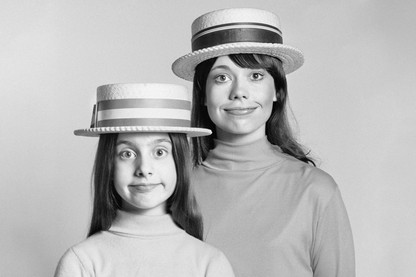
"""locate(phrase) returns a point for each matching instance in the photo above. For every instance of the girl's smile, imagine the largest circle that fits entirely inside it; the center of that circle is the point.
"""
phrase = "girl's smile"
(144, 187)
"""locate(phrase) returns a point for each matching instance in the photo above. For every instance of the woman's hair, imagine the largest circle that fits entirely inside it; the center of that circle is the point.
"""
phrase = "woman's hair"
(278, 130)
(181, 205)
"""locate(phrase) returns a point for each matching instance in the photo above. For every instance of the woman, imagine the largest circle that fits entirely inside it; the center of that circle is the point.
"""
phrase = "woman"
(263, 201)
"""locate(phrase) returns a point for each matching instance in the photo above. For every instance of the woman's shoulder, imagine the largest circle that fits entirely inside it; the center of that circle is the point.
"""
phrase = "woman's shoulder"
(309, 177)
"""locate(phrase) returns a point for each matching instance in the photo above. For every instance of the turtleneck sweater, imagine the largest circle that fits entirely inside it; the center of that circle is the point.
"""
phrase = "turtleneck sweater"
(138, 245)
(271, 214)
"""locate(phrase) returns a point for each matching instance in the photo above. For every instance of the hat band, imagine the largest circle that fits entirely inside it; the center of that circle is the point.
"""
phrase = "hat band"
(141, 112)
(234, 35)
(157, 122)
(143, 103)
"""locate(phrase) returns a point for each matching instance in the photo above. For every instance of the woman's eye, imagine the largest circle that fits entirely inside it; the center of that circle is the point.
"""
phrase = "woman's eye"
(256, 76)
(222, 78)
(160, 152)
(127, 154)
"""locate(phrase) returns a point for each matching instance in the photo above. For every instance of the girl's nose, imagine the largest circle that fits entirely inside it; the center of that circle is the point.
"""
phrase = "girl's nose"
(144, 168)
(239, 90)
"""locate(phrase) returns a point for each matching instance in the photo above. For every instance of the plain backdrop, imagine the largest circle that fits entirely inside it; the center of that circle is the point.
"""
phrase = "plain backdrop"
(353, 103)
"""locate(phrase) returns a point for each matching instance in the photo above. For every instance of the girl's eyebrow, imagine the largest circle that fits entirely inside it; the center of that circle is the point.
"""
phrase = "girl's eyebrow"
(131, 144)
(163, 140)
(124, 142)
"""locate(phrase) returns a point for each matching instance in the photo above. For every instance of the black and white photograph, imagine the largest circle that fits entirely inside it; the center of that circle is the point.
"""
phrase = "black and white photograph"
(208, 138)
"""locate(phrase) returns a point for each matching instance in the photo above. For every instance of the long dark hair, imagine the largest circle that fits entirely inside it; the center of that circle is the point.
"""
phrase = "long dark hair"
(181, 205)
(278, 130)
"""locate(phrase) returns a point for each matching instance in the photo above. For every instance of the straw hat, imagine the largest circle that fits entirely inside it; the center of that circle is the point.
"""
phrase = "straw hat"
(236, 31)
(130, 108)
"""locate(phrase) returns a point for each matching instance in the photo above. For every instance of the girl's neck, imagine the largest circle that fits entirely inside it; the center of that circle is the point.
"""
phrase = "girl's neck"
(142, 225)
(155, 211)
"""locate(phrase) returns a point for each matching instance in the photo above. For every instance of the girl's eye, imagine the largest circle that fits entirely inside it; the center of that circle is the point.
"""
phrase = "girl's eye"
(127, 154)
(160, 152)
(257, 76)
(222, 78)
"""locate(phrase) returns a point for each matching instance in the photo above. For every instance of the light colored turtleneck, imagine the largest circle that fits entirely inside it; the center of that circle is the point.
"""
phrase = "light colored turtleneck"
(138, 245)
(130, 224)
(272, 214)
(257, 155)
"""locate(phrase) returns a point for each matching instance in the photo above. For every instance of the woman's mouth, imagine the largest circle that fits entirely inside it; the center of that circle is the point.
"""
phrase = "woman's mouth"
(240, 110)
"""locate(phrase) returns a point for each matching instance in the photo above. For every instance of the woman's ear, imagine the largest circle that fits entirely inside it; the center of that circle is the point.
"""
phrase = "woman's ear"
(276, 96)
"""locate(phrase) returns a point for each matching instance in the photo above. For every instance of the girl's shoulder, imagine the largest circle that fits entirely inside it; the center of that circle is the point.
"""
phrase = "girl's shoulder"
(210, 257)
(81, 251)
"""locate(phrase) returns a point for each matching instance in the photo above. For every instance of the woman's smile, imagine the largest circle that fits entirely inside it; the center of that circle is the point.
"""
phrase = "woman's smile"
(239, 100)
(240, 110)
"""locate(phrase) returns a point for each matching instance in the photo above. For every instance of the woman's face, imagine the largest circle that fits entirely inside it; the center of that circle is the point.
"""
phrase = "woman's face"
(239, 100)
(144, 172)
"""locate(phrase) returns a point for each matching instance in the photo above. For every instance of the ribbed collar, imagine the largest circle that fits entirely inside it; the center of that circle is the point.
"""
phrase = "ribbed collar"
(129, 224)
(227, 156)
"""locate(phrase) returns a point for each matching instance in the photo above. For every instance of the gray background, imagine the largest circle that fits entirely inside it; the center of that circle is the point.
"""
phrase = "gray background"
(353, 100)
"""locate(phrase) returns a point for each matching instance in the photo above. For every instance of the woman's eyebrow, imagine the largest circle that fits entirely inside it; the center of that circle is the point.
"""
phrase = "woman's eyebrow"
(220, 67)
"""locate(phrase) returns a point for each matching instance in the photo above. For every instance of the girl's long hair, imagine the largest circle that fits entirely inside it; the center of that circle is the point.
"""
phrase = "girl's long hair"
(181, 205)
(278, 130)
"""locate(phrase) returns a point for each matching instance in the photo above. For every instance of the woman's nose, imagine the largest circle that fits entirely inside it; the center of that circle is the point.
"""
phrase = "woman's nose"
(239, 90)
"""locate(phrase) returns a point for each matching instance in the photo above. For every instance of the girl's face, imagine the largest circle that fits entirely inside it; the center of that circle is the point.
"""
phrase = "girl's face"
(144, 172)
(239, 100)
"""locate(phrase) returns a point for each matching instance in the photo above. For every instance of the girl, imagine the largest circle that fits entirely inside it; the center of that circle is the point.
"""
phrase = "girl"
(264, 203)
(145, 220)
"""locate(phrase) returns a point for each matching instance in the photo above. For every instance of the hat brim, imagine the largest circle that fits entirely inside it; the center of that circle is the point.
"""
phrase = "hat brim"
(191, 132)
(291, 58)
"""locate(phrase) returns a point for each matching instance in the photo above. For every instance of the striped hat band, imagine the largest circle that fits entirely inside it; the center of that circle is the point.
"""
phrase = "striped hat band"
(143, 112)
(236, 32)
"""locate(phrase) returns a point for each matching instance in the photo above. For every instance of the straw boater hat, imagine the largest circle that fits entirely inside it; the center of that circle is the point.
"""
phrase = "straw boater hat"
(130, 108)
(236, 31)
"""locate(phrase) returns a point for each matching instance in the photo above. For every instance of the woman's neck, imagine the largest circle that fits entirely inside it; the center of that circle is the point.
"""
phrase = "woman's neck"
(257, 155)
(241, 138)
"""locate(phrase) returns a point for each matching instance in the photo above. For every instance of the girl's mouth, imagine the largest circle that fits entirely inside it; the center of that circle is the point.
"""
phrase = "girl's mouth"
(144, 187)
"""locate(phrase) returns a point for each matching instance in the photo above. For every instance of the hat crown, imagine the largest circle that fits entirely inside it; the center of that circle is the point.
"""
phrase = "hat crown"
(236, 31)
(146, 107)
(235, 15)
(142, 91)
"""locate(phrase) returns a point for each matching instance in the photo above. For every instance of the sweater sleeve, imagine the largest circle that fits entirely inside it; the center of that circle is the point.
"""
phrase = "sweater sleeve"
(70, 265)
(219, 267)
(333, 250)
